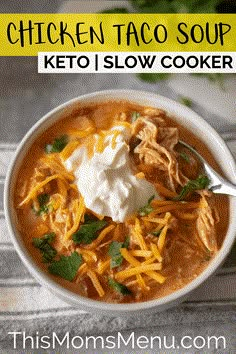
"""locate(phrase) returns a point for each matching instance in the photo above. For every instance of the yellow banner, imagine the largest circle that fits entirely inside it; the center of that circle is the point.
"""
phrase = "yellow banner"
(28, 34)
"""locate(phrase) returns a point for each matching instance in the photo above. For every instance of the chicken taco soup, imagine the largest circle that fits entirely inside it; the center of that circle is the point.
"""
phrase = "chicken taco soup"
(113, 208)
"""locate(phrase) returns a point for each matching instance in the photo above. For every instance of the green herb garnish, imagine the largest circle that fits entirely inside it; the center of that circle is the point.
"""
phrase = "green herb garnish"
(120, 288)
(186, 101)
(67, 266)
(44, 245)
(153, 77)
(134, 116)
(201, 182)
(43, 200)
(115, 10)
(216, 78)
(185, 156)
(126, 242)
(114, 252)
(88, 218)
(176, 6)
(58, 144)
(88, 231)
(146, 209)
(156, 233)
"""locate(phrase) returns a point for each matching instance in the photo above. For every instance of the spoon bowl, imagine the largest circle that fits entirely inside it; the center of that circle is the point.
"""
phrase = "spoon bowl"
(217, 183)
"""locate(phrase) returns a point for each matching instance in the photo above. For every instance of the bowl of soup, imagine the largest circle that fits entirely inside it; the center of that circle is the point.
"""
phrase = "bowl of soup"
(110, 212)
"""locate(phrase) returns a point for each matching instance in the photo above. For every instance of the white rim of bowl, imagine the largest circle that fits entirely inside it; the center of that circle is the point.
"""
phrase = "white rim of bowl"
(70, 296)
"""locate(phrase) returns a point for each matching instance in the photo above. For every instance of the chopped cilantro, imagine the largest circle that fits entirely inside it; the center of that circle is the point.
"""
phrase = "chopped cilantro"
(88, 231)
(201, 182)
(58, 144)
(176, 6)
(67, 266)
(114, 252)
(44, 245)
(146, 209)
(186, 101)
(156, 233)
(185, 156)
(216, 78)
(43, 199)
(115, 10)
(120, 288)
(44, 207)
(88, 218)
(153, 77)
(126, 242)
(134, 116)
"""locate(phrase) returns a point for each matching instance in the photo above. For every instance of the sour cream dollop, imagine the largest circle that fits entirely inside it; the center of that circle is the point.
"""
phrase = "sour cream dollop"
(106, 180)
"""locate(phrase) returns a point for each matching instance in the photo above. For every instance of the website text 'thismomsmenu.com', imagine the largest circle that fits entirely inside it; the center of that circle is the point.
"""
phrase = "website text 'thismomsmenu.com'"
(21, 340)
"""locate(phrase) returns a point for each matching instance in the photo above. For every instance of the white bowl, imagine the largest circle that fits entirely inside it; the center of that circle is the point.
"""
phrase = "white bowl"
(187, 118)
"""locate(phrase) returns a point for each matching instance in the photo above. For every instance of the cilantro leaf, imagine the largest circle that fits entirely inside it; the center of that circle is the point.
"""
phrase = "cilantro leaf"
(150, 6)
(114, 252)
(195, 6)
(115, 10)
(146, 209)
(43, 200)
(88, 231)
(201, 182)
(156, 233)
(44, 245)
(176, 6)
(58, 144)
(67, 266)
(153, 77)
(185, 156)
(186, 101)
(217, 78)
(126, 242)
(134, 116)
(120, 288)
(88, 218)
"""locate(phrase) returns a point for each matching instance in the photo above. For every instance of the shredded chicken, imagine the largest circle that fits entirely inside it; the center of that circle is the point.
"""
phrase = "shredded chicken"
(206, 224)
(157, 147)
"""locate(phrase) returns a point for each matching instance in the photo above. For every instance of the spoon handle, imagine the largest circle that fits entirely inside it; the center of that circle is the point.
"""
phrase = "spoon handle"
(225, 188)
(217, 183)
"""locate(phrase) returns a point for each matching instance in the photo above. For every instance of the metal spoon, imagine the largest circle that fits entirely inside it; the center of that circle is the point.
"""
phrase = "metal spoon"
(217, 183)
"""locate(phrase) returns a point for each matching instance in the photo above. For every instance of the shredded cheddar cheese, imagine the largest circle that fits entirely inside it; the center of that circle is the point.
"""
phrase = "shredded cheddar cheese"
(162, 237)
(80, 209)
(101, 236)
(141, 253)
(135, 263)
(122, 275)
(132, 251)
(103, 266)
(140, 175)
(137, 233)
(33, 193)
(92, 275)
(101, 141)
(156, 252)
(69, 149)
(82, 133)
